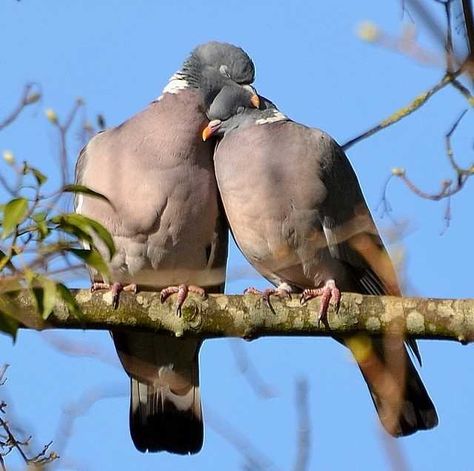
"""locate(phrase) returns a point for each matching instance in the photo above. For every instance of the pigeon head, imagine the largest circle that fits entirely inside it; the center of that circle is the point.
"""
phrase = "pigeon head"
(231, 110)
(210, 67)
(231, 61)
(230, 99)
(230, 102)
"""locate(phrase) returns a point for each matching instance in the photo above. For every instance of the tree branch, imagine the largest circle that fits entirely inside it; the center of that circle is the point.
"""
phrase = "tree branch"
(249, 318)
(414, 105)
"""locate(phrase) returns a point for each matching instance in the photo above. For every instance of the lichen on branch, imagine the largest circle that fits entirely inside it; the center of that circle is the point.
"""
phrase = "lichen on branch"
(248, 317)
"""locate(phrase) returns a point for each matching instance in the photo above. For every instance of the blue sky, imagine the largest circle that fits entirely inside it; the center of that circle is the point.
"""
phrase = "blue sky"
(118, 56)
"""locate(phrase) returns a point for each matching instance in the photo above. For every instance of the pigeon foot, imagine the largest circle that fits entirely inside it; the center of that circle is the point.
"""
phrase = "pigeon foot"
(329, 293)
(115, 288)
(282, 292)
(182, 291)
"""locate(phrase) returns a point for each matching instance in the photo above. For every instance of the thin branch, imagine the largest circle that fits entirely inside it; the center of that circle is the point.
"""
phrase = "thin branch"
(75, 409)
(28, 97)
(248, 317)
(9, 442)
(395, 456)
(13, 442)
(464, 91)
(63, 130)
(303, 437)
(414, 105)
(448, 187)
(255, 460)
(250, 372)
(3, 370)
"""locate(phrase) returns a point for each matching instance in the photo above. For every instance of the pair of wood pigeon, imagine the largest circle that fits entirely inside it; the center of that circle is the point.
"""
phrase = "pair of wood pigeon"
(293, 204)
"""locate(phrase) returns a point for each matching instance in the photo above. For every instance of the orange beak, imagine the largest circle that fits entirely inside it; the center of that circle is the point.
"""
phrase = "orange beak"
(210, 129)
(255, 100)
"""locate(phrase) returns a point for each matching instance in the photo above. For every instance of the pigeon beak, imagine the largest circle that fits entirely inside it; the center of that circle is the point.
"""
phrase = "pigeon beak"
(210, 129)
(255, 100)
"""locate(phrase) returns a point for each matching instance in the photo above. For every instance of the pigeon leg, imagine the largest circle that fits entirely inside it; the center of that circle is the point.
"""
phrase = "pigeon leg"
(329, 293)
(182, 291)
(115, 288)
(96, 285)
(282, 291)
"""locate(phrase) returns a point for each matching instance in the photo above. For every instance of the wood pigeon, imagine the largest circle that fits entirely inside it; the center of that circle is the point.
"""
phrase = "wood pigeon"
(297, 213)
(169, 231)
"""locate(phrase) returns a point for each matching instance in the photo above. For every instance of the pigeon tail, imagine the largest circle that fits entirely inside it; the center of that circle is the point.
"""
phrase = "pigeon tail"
(163, 421)
(400, 397)
(165, 407)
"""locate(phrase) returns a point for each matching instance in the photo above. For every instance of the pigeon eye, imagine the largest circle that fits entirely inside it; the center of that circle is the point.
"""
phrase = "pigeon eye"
(224, 70)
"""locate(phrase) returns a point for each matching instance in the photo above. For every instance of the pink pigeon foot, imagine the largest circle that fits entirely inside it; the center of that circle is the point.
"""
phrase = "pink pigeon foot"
(115, 288)
(329, 293)
(182, 291)
(283, 291)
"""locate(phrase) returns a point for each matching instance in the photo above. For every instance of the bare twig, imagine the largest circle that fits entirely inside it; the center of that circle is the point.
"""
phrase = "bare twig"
(250, 372)
(78, 408)
(255, 460)
(3, 370)
(414, 105)
(28, 97)
(10, 442)
(394, 453)
(63, 130)
(464, 91)
(80, 349)
(303, 437)
(448, 187)
(407, 45)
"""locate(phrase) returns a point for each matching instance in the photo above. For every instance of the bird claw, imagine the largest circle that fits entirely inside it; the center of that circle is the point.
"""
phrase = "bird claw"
(329, 293)
(115, 288)
(279, 292)
(182, 291)
(96, 286)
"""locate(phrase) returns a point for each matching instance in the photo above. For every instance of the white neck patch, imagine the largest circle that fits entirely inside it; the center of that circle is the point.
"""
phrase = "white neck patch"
(276, 116)
(176, 83)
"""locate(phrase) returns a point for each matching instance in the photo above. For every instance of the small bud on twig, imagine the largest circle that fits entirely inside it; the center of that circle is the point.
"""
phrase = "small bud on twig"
(8, 157)
(51, 115)
(398, 172)
(32, 98)
(368, 31)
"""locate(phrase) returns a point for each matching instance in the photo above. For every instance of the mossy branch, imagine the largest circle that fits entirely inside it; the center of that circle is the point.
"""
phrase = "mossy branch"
(248, 317)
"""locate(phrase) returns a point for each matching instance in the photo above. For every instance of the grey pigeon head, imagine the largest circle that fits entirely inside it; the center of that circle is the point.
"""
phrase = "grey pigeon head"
(213, 65)
(230, 110)
(231, 61)
(231, 100)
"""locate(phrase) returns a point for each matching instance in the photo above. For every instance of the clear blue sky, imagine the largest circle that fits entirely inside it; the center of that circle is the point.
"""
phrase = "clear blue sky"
(118, 55)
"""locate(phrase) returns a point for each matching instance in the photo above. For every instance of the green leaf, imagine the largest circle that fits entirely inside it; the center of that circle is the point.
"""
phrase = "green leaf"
(41, 224)
(45, 296)
(43, 229)
(13, 214)
(86, 191)
(75, 231)
(8, 323)
(40, 177)
(5, 260)
(86, 225)
(93, 258)
(71, 304)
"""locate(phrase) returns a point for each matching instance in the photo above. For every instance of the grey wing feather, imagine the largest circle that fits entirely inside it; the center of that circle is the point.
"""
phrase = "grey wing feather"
(217, 257)
(79, 171)
(351, 233)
